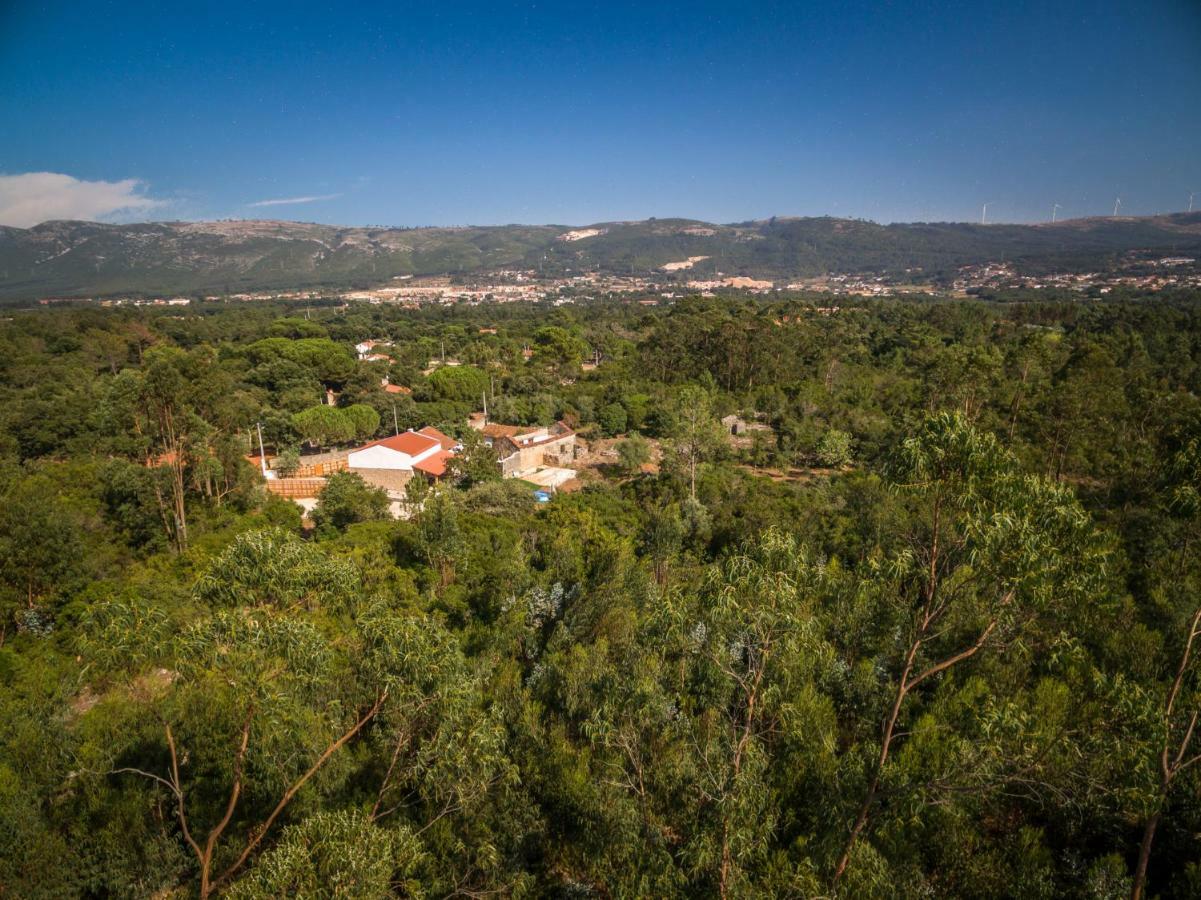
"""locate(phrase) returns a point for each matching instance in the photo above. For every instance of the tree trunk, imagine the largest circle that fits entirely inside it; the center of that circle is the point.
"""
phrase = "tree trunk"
(1017, 400)
(1169, 766)
(1144, 856)
(258, 833)
(727, 858)
(885, 746)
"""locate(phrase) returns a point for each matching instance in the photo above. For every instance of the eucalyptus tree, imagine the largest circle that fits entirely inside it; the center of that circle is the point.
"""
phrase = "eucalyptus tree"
(694, 435)
(1175, 745)
(342, 854)
(439, 765)
(173, 414)
(439, 535)
(752, 648)
(233, 713)
(40, 549)
(991, 551)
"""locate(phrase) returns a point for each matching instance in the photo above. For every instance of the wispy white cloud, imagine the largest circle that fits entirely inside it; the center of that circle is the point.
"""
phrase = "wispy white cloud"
(33, 197)
(288, 201)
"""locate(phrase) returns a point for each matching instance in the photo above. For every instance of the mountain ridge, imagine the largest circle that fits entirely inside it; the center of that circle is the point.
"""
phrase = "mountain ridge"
(78, 258)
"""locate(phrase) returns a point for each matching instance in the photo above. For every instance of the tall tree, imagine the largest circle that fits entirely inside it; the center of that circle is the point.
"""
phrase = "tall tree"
(993, 549)
(239, 711)
(692, 429)
(1175, 744)
(757, 640)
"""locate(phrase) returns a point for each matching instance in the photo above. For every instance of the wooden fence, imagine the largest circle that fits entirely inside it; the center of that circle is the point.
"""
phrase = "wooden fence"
(321, 469)
(295, 487)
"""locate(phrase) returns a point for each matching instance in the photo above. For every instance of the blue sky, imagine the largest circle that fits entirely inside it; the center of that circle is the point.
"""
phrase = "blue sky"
(574, 112)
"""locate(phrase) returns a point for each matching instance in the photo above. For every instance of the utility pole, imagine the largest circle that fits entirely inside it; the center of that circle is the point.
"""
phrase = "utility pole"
(485, 396)
(262, 452)
(395, 421)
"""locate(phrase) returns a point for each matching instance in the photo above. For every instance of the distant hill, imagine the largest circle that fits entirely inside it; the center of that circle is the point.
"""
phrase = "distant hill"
(91, 259)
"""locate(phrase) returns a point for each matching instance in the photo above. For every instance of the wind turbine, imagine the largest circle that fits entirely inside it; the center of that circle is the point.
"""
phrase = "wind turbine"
(1055, 208)
(1117, 204)
(1190, 201)
(983, 213)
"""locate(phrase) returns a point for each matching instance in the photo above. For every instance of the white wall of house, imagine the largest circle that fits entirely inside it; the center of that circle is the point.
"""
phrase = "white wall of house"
(381, 457)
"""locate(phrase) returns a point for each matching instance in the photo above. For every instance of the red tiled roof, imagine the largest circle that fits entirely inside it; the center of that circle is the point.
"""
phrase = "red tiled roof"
(559, 431)
(410, 442)
(434, 465)
(397, 389)
(447, 443)
(495, 430)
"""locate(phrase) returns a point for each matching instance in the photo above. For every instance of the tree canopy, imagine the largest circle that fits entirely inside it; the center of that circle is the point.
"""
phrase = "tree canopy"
(928, 628)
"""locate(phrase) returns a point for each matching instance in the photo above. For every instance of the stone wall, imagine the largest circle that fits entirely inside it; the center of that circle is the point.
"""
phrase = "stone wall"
(391, 480)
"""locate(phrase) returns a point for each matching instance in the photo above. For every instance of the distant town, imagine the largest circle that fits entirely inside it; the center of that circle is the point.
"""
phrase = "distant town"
(529, 286)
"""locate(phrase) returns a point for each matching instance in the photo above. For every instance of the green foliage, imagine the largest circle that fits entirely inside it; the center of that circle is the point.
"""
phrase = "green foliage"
(365, 419)
(40, 546)
(633, 453)
(34, 859)
(476, 462)
(834, 448)
(287, 463)
(439, 534)
(612, 418)
(323, 425)
(558, 346)
(324, 359)
(347, 499)
(278, 570)
(964, 666)
(694, 434)
(336, 854)
(464, 384)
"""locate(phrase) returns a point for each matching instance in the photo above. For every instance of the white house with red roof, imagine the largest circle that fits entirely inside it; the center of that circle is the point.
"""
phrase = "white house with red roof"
(392, 461)
(364, 349)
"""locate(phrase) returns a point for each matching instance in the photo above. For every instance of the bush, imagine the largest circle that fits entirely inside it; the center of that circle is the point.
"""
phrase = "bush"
(834, 448)
(287, 463)
(612, 418)
(633, 452)
(347, 499)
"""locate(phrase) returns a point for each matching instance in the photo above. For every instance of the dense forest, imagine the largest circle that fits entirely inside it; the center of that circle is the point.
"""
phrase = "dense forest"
(92, 259)
(927, 629)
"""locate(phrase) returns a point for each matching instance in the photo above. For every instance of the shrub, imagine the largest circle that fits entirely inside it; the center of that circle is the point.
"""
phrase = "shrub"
(834, 448)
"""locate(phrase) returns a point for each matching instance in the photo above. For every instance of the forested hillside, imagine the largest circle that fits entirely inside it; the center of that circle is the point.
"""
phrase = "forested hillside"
(91, 259)
(927, 629)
